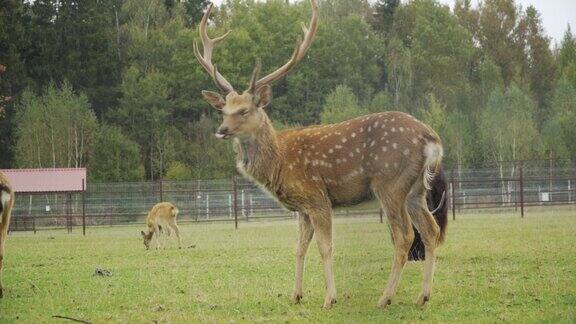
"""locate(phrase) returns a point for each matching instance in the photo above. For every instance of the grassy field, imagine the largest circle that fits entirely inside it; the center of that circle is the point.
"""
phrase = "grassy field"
(492, 268)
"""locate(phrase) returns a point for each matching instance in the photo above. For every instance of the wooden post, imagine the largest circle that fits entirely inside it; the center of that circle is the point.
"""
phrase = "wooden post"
(84, 207)
(381, 215)
(235, 201)
(453, 199)
(515, 195)
(521, 192)
(161, 191)
(69, 212)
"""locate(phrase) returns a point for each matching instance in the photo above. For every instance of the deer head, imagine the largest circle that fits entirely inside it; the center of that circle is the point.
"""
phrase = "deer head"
(243, 113)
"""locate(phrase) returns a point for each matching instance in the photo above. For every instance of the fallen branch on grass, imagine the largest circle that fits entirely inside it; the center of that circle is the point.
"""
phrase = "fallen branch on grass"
(71, 319)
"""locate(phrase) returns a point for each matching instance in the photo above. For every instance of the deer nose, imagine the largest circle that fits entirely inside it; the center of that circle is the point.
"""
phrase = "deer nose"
(222, 130)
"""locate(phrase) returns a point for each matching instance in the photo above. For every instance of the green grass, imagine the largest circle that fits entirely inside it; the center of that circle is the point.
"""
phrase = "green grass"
(492, 268)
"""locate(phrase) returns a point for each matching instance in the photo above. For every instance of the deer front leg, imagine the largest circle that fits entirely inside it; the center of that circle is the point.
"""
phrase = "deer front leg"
(305, 233)
(322, 223)
(157, 234)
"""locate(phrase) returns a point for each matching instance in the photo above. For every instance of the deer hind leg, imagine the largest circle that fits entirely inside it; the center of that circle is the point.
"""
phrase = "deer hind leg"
(322, 222)
(305, 233)
(430, 233)
(402, 237)
(166, 234)
(174, 227)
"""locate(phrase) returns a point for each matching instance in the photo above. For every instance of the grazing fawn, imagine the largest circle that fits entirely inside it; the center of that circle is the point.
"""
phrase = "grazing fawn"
(161, 218)
(389, 155)
(6, 203)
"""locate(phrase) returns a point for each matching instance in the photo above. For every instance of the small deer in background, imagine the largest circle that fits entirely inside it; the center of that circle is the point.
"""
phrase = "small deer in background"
(389, 155)
(161, 218)
(6, 203)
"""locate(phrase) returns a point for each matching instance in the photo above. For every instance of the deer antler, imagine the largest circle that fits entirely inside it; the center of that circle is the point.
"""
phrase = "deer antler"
(300, 50)
(206, 59)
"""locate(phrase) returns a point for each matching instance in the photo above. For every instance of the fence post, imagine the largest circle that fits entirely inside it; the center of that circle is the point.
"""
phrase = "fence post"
(84, 207)
(161, 190)
(521, 192)
(69, 212)
(569, 192)
(453, 199)
(235, 198)
(381, 215)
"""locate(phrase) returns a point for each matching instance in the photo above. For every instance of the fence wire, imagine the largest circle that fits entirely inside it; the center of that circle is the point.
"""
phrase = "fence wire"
(223, 200)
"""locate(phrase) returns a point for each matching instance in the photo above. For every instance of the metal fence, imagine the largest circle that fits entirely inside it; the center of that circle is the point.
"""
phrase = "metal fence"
(515, 187)
(236, 199)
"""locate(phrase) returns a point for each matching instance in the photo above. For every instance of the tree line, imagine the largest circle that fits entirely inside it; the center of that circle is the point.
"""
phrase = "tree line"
(113, 85)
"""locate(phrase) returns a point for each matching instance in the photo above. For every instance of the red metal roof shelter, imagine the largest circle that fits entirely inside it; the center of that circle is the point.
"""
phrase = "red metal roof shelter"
(66, 181)
(47, 180)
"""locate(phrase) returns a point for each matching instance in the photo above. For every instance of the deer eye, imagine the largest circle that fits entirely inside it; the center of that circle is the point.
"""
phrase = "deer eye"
(243, 112)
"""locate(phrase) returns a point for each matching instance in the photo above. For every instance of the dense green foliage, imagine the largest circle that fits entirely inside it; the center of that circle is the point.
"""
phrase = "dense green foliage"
(492, 268)
(486, 78)
(116, 157)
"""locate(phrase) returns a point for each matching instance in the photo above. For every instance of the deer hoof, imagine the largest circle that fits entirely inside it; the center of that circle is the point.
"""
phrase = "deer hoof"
(384, 302)
(328, 302)
(422, 299)
(296, 297)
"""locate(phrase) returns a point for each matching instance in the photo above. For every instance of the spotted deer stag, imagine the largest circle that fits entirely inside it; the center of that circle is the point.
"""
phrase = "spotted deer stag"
(6, 203)
(389, 155)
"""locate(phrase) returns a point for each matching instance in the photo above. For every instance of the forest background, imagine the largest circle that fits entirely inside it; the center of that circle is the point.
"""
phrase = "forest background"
(113, 85)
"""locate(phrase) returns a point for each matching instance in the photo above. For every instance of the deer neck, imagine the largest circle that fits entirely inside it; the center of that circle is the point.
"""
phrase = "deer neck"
(258, 155)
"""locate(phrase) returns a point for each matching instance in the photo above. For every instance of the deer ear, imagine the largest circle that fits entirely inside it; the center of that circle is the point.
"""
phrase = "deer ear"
(213, 98)
(263, 96)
